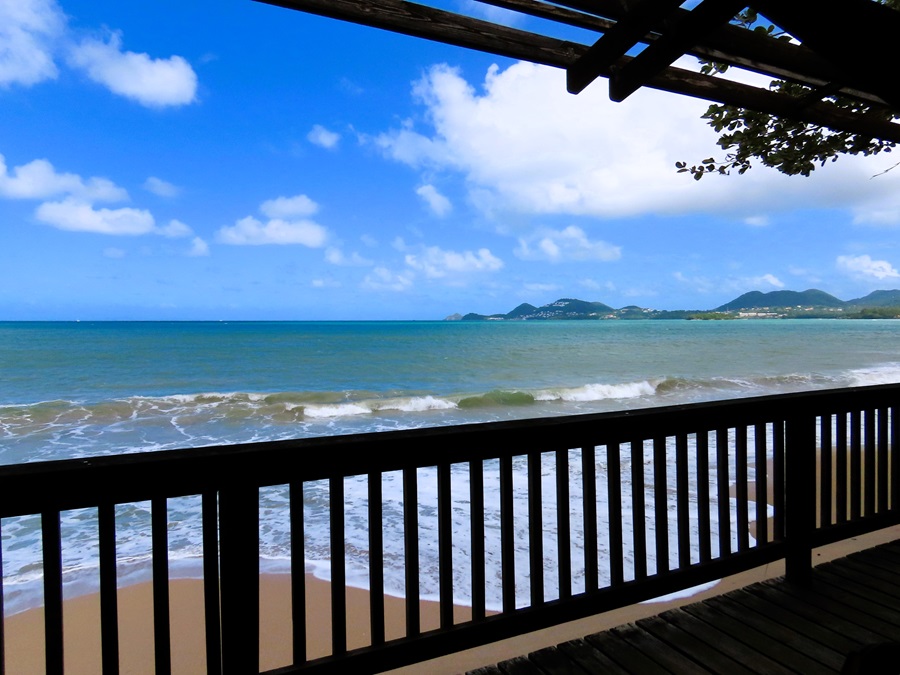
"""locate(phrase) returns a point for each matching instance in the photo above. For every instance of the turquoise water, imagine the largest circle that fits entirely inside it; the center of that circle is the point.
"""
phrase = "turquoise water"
(78, 389)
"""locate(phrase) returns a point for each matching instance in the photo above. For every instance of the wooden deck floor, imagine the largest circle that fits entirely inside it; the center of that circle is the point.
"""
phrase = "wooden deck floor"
(768, 628)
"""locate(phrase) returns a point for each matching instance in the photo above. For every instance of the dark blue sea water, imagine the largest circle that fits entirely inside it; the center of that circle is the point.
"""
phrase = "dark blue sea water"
(77, 389)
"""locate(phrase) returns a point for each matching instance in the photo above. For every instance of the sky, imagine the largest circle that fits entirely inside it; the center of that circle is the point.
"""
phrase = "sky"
(232, 160)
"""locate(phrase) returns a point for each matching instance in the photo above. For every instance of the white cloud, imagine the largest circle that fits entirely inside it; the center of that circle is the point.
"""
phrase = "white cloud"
(382, 279)
(175, 229)
(76, 216)
(569, 244)
(199, 248)
(325, 283)
(757, 221)
(39, 180)
(299, 206)
(160, 187)
(864, 267)
(523, 144)
(438, 203)
(114, 253)
(322, 137)
(542, 288)
(336, 256)
(765, 280)
(437, 263)
(251, 232)
(28, 30)
(155, 83)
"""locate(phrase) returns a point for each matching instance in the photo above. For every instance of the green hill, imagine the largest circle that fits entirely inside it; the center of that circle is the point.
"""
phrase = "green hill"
(758, 300)
(878, 299)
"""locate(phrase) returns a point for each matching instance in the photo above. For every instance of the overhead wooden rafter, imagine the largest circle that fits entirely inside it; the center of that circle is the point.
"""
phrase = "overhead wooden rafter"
(847, 48)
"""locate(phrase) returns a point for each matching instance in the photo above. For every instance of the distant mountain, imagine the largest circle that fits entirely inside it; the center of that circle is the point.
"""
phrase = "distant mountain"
(564, 308)
(811, 303)
(878, 299)
(757, 300)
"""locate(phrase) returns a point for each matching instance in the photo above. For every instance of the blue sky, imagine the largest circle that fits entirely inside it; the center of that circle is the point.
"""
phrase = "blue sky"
(235, 160)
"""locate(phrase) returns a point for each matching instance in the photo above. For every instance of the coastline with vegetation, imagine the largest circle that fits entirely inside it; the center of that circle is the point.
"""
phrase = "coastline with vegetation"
(808, 304)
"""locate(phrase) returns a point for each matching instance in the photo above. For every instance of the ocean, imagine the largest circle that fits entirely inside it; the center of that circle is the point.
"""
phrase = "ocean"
(98, 388)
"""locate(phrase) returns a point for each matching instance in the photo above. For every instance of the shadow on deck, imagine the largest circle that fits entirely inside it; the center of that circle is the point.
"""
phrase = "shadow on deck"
(768, 627)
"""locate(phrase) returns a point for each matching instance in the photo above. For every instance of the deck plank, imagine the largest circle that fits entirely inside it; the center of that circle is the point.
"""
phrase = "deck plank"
(768, 627)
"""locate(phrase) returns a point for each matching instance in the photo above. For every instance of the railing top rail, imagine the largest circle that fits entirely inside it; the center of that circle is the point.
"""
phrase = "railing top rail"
(79, 483)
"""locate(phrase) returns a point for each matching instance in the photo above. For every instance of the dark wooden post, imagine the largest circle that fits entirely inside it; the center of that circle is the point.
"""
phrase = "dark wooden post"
(800, 494)
(239, 578)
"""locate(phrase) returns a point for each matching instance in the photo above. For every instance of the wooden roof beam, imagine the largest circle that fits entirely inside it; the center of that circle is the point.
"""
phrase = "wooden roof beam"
(672, 45)
(624, 34)
(434, 24)
(857, 37)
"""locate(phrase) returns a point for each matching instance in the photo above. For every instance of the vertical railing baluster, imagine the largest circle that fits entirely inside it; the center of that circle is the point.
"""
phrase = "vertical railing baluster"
(53, 615)
(855, 465)
(869, 451)
(298, 572)
(840, 474)
(800, 507)
(638, 509)
(376, 557)
(723, 499)
(2, 612)
(210, 517)
(740, 487)
(445, 545)
(882, 459)
(338, 566)
(778, 478)
(476, 526)
(614, 494)
(239, 577)
(762, 484)
(589, 513)
(162, 651)
(535, 529)
(660, 504)
(507, 536)
(895, 457)
(109, 609)
(411, 549)
(563, 538)
(827, 477)
(682, 501)
(703, 518)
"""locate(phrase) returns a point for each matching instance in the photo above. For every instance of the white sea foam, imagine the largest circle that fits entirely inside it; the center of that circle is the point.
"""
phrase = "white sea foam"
(336, 410)
(889, 373)
(416, 404)
(599, 392)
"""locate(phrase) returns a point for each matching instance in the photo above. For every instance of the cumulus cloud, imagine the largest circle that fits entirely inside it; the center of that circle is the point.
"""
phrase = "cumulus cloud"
(28, 30)
(288, 223)
(39, 180)
(76, 216)
(152, 82)
(382, 279)
(160, 187)
(437, 263)
(299, 206)
(336, 256)
(251, 232)
(864, 267)
(199, 248)
(570, 243)
(523, 144)
(438, 203)
(322, 137)
(766, 280)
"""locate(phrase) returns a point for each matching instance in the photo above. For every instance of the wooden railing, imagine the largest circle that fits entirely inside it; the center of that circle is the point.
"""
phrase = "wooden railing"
(685, 474)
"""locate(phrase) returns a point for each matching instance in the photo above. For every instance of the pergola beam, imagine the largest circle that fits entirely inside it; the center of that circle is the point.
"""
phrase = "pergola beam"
(427, 22)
